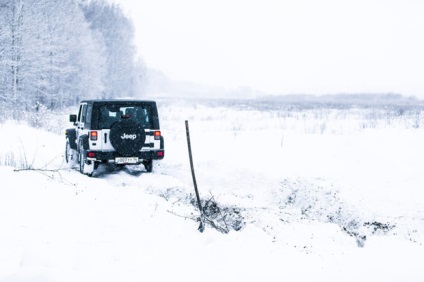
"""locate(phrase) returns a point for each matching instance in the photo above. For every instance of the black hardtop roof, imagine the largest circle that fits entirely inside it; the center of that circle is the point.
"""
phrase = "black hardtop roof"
(111, 101)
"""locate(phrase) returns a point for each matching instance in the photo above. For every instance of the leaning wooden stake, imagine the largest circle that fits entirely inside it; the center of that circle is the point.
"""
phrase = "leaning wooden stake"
(202, 225)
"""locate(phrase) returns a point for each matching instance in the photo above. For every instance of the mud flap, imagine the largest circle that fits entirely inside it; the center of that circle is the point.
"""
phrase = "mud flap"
(88, 168)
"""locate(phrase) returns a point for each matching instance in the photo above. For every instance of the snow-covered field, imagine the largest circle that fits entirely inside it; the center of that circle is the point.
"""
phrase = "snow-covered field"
(294, 195)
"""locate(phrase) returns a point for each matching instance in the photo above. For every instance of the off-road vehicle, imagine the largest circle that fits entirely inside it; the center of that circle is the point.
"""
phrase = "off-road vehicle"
(117, 132)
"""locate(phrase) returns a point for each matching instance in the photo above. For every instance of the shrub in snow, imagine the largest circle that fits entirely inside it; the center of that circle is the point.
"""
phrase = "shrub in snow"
(220, 217)
(319, 201)
(37, 115)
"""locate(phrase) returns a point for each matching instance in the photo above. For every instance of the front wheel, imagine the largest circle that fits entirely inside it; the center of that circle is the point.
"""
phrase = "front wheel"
(69, 153)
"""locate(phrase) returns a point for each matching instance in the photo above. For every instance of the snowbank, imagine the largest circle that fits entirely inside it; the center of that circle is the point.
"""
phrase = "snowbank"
(300, 203)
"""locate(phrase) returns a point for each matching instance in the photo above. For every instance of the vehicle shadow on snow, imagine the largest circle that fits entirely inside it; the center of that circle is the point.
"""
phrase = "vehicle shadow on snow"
(105, 170)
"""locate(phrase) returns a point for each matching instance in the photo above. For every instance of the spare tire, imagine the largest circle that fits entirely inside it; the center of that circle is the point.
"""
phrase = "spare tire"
(127, 137)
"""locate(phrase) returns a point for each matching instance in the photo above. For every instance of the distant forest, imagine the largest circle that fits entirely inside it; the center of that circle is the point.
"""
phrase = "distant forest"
(53, 53)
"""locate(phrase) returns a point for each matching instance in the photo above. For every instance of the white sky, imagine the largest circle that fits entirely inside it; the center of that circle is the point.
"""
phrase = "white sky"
(287, 47)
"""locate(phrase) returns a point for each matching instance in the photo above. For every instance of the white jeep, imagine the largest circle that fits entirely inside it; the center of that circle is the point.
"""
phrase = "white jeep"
(121, 132)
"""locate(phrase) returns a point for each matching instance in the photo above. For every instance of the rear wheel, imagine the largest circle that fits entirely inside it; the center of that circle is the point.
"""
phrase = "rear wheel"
(148, 165)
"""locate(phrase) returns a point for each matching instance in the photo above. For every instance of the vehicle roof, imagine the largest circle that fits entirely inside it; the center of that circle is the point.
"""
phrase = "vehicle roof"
(116, 100)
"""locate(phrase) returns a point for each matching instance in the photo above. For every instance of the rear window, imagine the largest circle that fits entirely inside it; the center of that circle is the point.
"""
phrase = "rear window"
(111, 113)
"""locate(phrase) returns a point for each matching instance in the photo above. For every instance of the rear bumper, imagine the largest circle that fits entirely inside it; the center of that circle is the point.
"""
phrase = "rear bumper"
(110, 156)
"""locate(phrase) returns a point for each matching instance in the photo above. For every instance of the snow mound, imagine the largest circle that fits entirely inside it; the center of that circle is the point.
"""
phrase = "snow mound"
(319, 200)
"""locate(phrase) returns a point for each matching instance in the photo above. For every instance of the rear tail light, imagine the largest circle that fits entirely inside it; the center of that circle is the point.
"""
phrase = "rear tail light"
(160, 154)
(156, 134)
(93, 135)
(91, 154)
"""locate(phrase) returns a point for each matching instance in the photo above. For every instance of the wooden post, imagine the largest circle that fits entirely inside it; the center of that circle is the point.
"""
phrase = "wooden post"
(202, 226)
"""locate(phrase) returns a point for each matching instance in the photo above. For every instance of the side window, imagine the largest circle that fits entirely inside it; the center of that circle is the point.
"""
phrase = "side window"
(88, 116)
(84, 113)
(79, 114)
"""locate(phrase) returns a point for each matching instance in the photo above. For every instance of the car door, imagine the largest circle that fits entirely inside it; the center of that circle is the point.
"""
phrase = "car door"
(81, 121)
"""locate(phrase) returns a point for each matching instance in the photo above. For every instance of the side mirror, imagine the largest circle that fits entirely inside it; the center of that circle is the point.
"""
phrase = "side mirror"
(73, 118)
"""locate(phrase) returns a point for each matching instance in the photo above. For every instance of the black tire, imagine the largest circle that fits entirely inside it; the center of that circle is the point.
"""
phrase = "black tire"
(148, 165)
(127, 137)
(81, 158)
(67, 150)
(70, 154)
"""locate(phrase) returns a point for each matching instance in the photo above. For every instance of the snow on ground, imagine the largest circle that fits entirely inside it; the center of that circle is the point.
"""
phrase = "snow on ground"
(306, 195)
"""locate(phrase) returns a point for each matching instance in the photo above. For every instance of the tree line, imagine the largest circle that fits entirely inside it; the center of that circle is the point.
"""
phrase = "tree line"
(53, 53)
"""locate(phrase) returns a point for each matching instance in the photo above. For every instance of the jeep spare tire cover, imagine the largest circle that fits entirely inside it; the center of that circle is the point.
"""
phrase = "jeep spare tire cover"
(127, 137)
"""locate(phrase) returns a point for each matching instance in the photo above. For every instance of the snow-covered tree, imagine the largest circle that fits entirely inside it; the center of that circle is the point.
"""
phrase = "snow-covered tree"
(117, 34)
(61, 55)
(11, 32)
(56, 52)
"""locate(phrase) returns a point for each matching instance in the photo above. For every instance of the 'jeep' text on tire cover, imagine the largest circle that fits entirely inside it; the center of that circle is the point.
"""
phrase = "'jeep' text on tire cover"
(129, 136)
